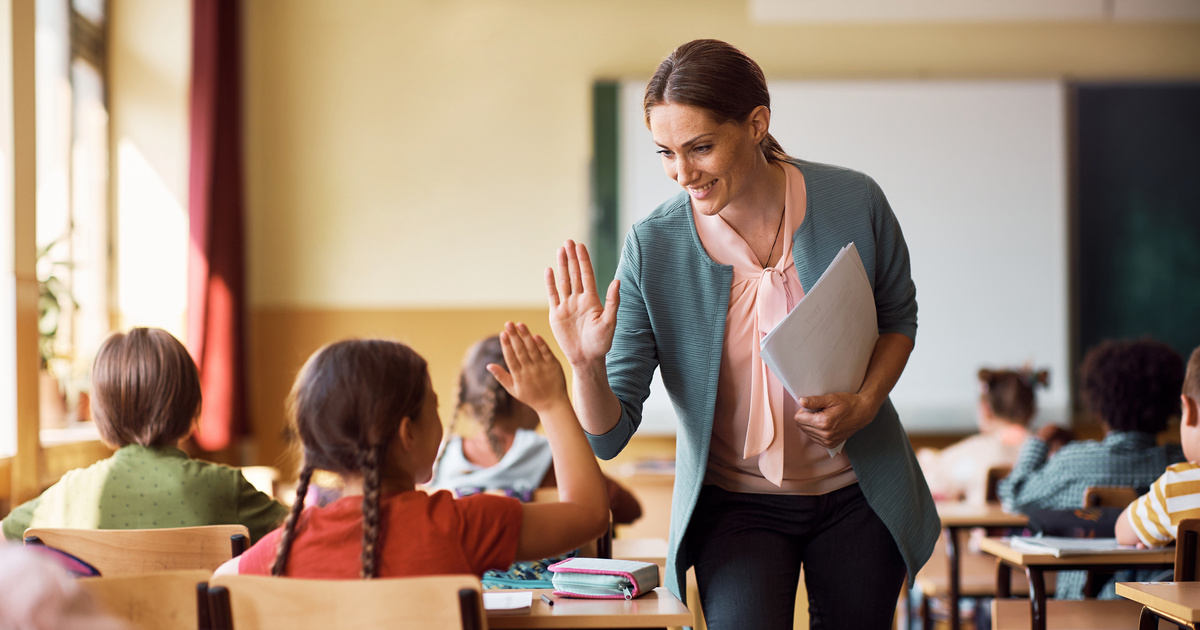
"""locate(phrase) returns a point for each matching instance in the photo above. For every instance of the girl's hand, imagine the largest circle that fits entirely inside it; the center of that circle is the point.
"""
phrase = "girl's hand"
(831, 419)
(534, 375)
(582, 327)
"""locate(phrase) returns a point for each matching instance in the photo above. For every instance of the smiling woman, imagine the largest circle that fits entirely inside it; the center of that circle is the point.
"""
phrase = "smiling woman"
(747, 452)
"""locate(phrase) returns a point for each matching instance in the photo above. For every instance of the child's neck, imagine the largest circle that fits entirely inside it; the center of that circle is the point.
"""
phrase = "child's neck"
(352, 486)
(1012, 434)
(478, 448)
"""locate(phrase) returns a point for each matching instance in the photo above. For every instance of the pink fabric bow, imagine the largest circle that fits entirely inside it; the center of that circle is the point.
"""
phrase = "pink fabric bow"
(764, 435)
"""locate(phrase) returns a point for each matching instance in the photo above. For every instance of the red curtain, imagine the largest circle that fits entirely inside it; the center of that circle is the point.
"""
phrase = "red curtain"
(216, 259)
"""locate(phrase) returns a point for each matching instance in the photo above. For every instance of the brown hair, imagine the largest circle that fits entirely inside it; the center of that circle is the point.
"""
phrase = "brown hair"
(1132, 385)
(346, 406)
(1191, 380)
(1009, 393)
(480, 395)
(717, 77)
(145, 389)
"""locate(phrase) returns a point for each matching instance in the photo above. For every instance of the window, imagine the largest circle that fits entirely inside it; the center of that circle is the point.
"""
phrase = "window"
(73, 241)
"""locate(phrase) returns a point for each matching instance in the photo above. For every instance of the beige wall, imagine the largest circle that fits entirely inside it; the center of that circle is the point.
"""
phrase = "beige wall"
(405, 154)
(411, 165)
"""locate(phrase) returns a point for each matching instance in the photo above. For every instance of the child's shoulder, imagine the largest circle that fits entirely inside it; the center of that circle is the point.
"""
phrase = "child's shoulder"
(1184, 471)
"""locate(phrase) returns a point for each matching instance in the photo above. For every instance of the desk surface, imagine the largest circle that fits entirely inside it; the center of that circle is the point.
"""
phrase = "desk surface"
(1001, 549)
(655, 609)
(974, 515)
(644, 549)
(1178, 599)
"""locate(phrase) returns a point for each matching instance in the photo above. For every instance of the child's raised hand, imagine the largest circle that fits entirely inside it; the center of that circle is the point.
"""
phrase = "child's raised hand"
(534, 375)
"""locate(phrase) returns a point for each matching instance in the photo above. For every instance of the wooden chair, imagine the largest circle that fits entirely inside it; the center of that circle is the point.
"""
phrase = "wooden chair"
(1108, 496)
(994, 475)
(252, 602)
(132, 551)
(1187, 558)
(1067, 614)
(1104, 496)
(168, 600)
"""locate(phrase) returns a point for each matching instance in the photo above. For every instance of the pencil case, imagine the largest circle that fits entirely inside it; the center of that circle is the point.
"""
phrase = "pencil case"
(601, 578)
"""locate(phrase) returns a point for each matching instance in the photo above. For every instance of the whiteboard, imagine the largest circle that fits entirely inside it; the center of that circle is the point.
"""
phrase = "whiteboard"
(975, 172)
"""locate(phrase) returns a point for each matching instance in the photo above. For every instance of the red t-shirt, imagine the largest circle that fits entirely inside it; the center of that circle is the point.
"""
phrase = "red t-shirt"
(419, 534)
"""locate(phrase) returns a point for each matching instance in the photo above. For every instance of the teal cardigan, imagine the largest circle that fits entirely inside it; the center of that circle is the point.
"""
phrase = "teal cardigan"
(674, 301)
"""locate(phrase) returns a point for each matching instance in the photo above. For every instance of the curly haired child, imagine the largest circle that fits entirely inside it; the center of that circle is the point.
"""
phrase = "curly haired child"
(366, 410)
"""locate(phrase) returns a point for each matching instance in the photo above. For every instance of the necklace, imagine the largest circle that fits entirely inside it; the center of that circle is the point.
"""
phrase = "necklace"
(775, 240)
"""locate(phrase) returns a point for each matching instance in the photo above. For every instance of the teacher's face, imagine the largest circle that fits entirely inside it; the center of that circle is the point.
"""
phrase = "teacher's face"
(714, 162)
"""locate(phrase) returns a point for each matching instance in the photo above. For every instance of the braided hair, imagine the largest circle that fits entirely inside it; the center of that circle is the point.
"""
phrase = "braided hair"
(346, 406)
(480, 395)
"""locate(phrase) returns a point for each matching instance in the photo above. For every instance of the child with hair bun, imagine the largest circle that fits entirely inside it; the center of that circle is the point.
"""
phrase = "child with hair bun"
(1007, 405)
(502, 450)
(145, 399)
(366, 410)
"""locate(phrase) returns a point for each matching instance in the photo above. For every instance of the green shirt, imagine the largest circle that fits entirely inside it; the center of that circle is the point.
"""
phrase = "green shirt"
(146, 488)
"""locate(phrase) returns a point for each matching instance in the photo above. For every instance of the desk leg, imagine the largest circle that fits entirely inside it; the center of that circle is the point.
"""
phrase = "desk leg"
(1003, 580)
(953, 553)
(1037, 597)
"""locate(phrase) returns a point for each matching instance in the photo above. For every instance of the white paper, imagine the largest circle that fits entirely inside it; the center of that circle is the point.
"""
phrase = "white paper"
(507, 600)
(1059, 546)
(825, 343)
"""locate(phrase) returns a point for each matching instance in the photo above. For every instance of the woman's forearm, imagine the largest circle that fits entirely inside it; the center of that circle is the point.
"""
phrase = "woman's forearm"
(887, 364)
(595, 403)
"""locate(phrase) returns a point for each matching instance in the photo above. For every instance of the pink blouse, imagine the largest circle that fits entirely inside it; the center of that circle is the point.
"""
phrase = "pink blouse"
(756, 445)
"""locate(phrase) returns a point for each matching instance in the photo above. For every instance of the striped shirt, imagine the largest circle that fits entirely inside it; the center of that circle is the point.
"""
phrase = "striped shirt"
(1156, 515)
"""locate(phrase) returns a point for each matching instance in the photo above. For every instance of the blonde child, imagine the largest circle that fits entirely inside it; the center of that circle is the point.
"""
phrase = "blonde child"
(1007, 404)
(145, 399)
(502, 449)
(1153, 519)
(366, 410)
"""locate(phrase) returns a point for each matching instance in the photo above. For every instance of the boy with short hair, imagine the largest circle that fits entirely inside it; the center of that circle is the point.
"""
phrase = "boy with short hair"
(1153, 519)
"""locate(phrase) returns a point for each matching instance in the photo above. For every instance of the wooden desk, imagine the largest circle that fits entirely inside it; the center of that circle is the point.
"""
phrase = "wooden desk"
(657, 609)
(652, 550)
(1037, 564)
(1175, 601)
(959, 517)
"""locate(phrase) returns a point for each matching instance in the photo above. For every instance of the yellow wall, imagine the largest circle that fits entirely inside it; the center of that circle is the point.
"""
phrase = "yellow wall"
(411, 165)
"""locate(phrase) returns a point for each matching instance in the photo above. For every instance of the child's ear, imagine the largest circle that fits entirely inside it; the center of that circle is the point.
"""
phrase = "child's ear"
(406, 432)
(1190, 411)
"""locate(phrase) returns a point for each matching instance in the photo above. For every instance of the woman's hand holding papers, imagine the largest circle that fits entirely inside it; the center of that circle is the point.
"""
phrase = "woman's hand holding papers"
(831, 419)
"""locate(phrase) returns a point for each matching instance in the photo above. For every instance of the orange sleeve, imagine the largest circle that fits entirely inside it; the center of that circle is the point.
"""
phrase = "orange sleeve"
(491, 528)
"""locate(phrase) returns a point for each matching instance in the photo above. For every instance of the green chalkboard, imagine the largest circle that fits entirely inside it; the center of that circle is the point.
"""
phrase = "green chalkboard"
(1136, 223)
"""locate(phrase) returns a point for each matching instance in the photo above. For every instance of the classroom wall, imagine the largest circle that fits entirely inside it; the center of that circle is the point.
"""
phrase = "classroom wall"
(411, 166)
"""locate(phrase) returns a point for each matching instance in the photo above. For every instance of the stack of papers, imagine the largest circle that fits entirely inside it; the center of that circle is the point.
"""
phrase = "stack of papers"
(825, 343)
(507, 602)
(1059, 546)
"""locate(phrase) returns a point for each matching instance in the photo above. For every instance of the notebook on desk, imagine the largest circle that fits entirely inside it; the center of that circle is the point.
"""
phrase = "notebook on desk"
(1059, 546)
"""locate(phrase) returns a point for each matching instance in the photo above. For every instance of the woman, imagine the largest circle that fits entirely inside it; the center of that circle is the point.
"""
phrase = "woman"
(700, 280)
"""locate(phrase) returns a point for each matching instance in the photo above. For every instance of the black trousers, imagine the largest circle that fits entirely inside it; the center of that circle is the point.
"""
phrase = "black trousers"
(748, 550)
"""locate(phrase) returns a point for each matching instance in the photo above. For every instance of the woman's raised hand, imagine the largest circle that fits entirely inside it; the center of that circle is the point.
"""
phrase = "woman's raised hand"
(582, 327)
(534, 375)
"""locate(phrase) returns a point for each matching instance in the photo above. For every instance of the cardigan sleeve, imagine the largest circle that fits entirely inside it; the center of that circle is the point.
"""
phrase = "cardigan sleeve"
(895, 293)
(634, 354)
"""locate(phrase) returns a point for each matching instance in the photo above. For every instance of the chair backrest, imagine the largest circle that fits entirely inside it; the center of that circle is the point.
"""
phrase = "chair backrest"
(994, 475)
(1187, 550)
(252, 602)
(1108, 496)
(132, 551)
(167, 600)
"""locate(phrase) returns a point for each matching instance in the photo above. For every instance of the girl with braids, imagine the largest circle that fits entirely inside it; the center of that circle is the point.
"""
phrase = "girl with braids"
(366, 410)
(1007, 405)
(502, 450)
